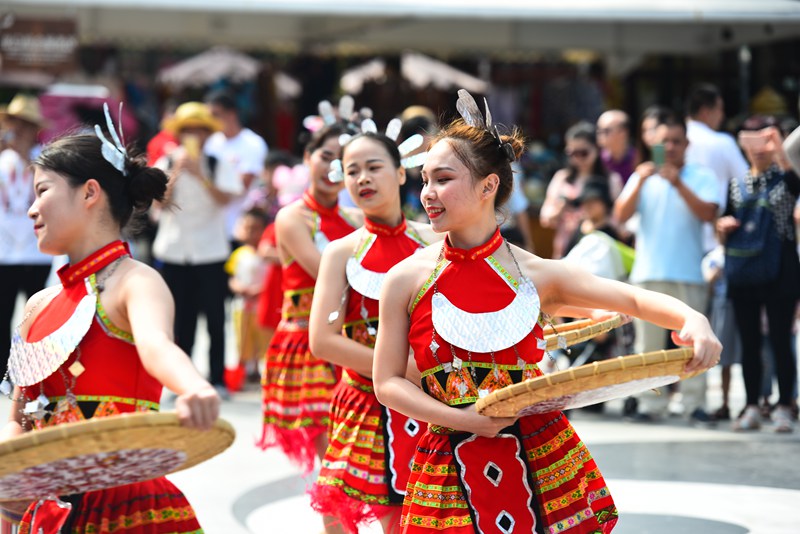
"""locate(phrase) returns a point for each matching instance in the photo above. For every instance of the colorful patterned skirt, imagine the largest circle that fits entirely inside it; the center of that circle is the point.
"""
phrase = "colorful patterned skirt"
(535, 476)
(152, 507)
(297, 390)
(366, 467)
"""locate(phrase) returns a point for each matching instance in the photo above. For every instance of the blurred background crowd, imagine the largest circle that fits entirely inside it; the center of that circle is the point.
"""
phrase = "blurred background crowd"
(645, 130)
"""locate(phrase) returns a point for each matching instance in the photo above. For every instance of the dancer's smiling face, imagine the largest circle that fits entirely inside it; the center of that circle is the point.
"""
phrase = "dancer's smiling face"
(449, 194)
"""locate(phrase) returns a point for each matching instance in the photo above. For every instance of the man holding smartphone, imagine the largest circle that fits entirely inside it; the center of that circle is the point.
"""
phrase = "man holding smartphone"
(674, 199)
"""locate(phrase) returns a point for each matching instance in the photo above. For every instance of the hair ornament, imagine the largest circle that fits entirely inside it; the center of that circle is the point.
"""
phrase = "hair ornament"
(346, 106)
(328, 114)
(115, 152)
(469, 111)
(410, 144)
(393, 129)
(336, 174)
(369, 126)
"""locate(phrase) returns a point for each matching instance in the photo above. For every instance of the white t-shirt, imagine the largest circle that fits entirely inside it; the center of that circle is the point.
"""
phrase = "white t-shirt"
(720, 153)
(17, 240)
(192, 231)
(242, 154)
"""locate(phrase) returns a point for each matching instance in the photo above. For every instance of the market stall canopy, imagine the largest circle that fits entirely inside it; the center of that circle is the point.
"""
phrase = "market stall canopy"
(420, 70)
(615, 27)
(209, 66)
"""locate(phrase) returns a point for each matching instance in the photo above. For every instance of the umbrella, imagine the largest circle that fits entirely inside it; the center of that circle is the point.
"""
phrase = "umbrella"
(420, 70)
(210, 66)
(353, 80)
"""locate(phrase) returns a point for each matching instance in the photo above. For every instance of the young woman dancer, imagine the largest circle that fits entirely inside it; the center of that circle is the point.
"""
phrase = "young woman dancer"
(366, 467)
(83, 199)
(297, 386)
(471, 311)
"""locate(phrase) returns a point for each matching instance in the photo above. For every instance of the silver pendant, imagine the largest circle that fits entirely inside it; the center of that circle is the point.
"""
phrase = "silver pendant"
(371, 330)
(434, 346)
(541, 344)
(482, 393)
(457, 363)
(447, 367)
(6, 387)
(332, 316)
(76, 369)
(562, 342)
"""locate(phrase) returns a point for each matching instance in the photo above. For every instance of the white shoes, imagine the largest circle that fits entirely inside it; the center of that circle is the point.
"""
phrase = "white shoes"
(784, 420)
(750, 420)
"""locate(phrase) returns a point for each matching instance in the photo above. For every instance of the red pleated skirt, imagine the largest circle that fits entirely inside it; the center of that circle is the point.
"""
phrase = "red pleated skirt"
(297, 390)
(151, 507)
(365, 469)
(536, 476)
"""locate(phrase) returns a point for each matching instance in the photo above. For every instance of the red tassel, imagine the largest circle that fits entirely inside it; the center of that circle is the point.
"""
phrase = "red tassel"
(351, 512)
(297, 445)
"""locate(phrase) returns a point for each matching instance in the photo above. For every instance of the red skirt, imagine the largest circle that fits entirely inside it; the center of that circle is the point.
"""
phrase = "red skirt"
(297, 390)
(151, 507)
(536, 476)
(366, 467)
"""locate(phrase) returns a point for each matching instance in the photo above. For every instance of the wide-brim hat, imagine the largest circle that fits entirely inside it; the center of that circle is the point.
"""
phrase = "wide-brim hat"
(26, 108)
(191, 115)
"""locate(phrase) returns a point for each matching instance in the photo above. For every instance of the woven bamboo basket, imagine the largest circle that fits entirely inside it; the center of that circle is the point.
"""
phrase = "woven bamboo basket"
(104, 452)
(579, 331)
(589, 384)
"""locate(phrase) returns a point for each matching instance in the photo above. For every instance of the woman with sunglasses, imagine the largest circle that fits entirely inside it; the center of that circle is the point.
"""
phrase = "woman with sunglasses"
(561, 209)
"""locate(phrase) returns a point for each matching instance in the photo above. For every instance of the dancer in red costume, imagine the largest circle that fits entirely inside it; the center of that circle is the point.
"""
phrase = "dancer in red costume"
(107, 304)
(366, 467)
(297, 386)
(471, 311)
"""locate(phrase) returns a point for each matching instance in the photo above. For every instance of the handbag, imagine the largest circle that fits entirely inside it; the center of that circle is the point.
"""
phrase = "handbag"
(753, 250)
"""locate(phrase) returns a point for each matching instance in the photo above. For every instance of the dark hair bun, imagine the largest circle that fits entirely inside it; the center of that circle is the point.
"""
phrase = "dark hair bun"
(145, 184)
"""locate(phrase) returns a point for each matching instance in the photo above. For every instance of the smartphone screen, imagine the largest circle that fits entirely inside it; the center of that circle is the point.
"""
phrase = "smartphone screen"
(658, 154)
(752, 140)
(192, 145)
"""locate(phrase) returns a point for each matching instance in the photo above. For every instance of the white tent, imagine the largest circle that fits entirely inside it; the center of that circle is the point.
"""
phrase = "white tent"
(209, 66)
(420, 70)
(442, 27)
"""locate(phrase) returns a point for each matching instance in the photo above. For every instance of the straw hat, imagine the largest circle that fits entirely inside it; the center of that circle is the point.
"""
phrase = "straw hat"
(191, 115)
(26, 108)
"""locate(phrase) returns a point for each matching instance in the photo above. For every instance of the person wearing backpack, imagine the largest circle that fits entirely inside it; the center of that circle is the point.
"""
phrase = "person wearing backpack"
(762, 266)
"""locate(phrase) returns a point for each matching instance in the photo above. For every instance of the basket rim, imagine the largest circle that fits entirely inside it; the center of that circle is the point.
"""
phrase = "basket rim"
(668, 360)
(139, 430)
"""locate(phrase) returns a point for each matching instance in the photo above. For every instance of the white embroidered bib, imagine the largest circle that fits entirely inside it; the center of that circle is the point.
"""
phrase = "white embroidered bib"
(361, 279)
(31, 362)
(487, 331)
